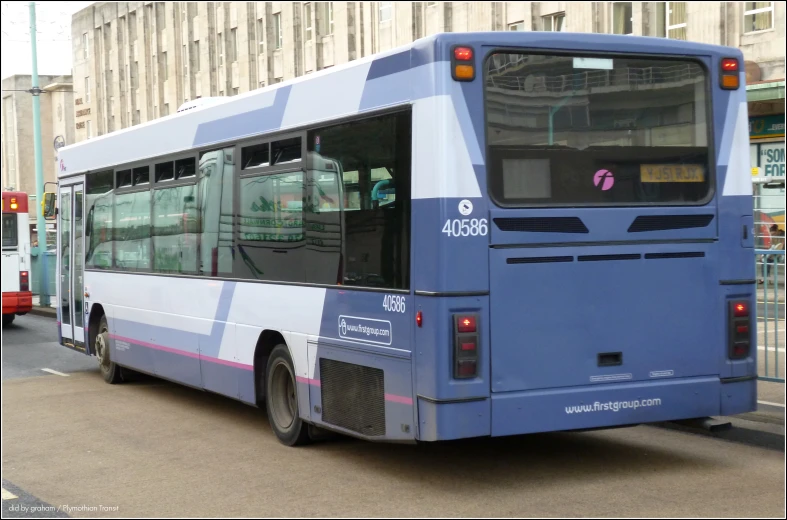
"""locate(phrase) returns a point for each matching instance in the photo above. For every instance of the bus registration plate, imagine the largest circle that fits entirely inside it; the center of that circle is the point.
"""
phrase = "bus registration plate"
(672, 173)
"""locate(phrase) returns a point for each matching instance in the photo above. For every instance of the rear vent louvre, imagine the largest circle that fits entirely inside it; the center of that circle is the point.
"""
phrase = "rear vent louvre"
(542, 224)
(353, 397)
(605, 258)
(666, 222)
(689, 254)
(540, 260)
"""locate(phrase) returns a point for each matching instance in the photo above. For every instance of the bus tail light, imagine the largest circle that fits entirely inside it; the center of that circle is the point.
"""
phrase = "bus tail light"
(730, 75)
(24, 281)
(466, 340)
(14, 203)
(462, 63)
(739, 329)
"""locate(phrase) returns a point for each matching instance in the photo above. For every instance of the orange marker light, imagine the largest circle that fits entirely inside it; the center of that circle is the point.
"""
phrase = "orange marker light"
(730, 82)
(464, 72)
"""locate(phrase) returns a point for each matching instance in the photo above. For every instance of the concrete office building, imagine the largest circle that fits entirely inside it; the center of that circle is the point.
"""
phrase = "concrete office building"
(57, 129)
(136, 61)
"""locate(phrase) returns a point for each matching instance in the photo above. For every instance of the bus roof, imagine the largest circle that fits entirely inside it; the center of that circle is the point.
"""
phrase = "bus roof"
(387, 79)
(14, 202)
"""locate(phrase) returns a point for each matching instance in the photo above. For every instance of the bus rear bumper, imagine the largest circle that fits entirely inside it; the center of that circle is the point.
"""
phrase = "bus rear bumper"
(619, 404)
(17, 302)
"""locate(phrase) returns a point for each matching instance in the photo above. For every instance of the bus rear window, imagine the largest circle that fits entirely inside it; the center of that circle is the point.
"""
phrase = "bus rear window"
(10, 235)
(596, 130)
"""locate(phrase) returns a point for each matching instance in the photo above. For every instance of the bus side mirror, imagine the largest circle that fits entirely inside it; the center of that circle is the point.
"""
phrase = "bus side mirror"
(48, 205)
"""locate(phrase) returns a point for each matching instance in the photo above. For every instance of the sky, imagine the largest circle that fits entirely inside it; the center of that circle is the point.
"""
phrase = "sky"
(53, 21)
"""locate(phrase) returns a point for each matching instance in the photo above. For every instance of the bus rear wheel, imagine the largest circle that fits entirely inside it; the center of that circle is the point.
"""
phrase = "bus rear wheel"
(281, 399)
(110, 371)
(8, 319)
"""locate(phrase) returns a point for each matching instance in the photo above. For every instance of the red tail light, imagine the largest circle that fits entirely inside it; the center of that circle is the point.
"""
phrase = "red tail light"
(739, 330)
(466, 340)
(729, 65)
(467, 369)
(24, 281)
(419, 318)
(466, 324)
(463, 53)
(741, 309)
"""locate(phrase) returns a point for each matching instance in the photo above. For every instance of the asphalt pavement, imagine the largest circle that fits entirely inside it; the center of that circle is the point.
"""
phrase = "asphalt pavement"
(152, 448)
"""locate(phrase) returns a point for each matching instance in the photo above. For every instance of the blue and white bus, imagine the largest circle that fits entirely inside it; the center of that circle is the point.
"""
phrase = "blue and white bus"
(478, 234)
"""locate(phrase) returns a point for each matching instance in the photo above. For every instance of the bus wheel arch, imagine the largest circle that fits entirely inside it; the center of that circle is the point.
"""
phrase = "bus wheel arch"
(96, 313)
(267, 341)
(276, 388)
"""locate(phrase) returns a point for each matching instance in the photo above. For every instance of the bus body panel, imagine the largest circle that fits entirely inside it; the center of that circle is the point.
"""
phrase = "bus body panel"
(564, 318)
(605, 405)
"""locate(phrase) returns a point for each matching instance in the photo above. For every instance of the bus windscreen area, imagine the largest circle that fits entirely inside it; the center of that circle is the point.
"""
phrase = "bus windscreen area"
(10, 235)
(596, 130)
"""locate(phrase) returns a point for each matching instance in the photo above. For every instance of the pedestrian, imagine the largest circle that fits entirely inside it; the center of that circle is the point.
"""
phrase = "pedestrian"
(777, 244)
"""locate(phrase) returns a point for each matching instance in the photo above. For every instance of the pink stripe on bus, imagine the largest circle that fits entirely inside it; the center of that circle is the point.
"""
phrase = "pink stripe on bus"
(183, 353)
(399, 399)
(388, 397)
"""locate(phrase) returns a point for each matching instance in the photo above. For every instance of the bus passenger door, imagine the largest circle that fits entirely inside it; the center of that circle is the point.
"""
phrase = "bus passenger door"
(71, 273)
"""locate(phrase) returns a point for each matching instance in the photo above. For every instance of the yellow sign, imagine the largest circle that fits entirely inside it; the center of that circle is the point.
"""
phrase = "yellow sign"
(672, 173)
(755, 171)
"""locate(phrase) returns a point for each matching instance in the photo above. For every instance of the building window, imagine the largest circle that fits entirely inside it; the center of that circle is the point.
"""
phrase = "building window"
(676, 20)
(307, 22)
(621, 18)
(89, 128)
(196, 56)
(185, 58)
(87, 89)
(431, 4)
(233, 45)
(261, 36)
(385, 11)
(328, 17)
(554, 22)
(85, 45)
(235, 91)
(166, 109)
(277, 36)
(757, 16)
(164, 66)
(220, 49)
(518, 26)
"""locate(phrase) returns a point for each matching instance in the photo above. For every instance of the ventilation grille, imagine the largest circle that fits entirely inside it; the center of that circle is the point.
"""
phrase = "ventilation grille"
(353, 397)
(542, 224)
(606, 258)
(666, 222)
(692, 254)
(540, 260)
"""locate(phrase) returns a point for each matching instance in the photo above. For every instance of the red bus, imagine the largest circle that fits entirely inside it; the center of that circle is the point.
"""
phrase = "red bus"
(17, 297)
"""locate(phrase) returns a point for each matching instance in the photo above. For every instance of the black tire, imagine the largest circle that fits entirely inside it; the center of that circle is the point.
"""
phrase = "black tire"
(111, 372)
(8, 319)
(281, 399)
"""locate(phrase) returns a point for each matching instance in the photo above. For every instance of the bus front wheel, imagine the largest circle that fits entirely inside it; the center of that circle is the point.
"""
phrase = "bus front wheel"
(281, 399)
(109, 370)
